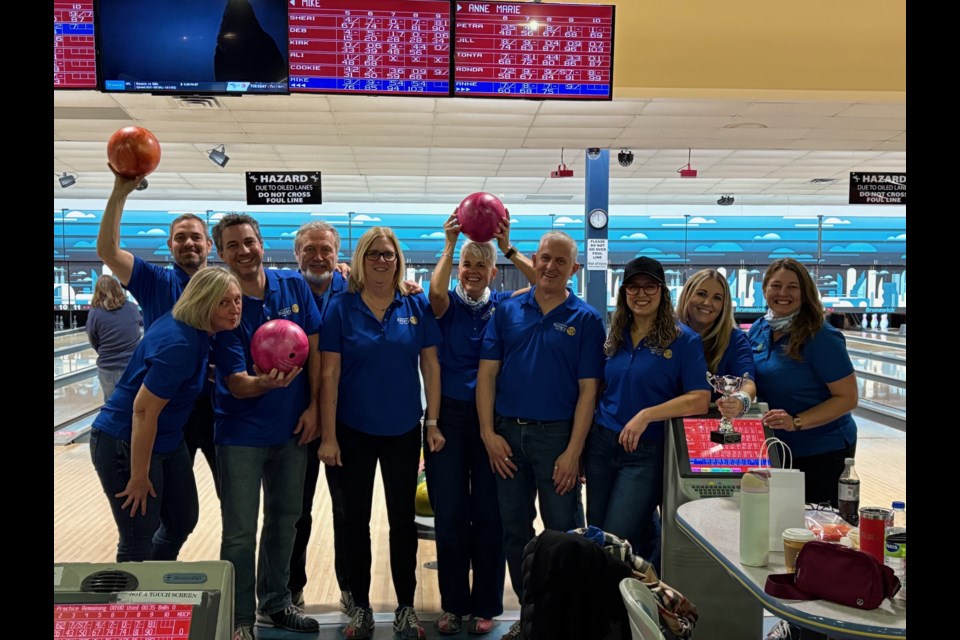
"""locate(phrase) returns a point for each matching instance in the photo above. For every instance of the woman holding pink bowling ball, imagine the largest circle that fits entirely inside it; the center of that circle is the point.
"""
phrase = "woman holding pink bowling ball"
(136, 443)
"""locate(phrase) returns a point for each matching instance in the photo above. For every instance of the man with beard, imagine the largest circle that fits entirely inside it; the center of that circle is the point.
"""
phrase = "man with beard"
(157, 289)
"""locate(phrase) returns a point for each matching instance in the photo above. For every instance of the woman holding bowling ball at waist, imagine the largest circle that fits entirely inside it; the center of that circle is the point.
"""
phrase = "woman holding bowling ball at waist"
(805, 375)
(463, 490)
(136, 443)
(373, 337)
(704, 305)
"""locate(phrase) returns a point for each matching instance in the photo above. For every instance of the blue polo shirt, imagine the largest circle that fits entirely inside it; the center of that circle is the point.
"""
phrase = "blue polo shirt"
(379, 390)
(543, 357)
(737, 360)
(171, 362)
(642, 377)
(156, 289)
(268, 419)
(795, 386)
(463, 328)
(338, 284)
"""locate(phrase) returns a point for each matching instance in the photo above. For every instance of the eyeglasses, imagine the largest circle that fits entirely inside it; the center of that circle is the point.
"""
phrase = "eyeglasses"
(650, 288)
(373, 255)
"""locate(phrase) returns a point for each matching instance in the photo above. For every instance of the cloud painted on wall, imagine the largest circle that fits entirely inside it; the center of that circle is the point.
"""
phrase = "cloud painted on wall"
(832, 220)
(700, 220)
(365, 218)
(659, 255)
(435, 234)
(635, 236)
(162, 251)
(789, 253)
(783, 251)
(73, 215)
(719, 247)
(902, 236)
(152, 232)
(84, 244)
(288, 234)
(768, 236)
(567, 220)
(853, 247)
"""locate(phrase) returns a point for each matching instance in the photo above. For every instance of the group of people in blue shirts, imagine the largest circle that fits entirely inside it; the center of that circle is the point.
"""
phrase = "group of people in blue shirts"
(526, 394)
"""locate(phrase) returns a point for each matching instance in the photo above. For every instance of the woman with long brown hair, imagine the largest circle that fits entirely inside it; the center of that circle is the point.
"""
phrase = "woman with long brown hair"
(113, 327)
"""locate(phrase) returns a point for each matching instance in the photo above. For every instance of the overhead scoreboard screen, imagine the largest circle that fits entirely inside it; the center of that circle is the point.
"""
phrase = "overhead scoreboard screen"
(392, 47)
(526, 50)
(74, 46)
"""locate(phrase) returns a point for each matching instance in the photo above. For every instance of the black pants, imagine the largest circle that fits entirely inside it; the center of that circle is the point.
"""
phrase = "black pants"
(198, 434)
(821, 473)
(298, 560)
(399, 458)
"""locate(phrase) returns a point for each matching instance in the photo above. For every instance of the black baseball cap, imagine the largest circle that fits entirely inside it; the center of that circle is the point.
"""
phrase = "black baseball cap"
(644, 266)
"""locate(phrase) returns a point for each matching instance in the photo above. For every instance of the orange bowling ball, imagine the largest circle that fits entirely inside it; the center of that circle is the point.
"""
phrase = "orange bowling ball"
(133, 151)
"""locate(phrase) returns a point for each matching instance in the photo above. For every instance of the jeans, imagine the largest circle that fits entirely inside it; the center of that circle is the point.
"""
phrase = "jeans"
(298, 561)
(279, 469)
(623, 489)
(535, 449)
(198, 434)
(170, 517)
(399, 458)
(108, 381)
(463, 494)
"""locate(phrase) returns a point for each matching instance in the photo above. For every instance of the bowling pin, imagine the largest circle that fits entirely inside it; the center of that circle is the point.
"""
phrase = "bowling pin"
(884, 322)
(874, 321)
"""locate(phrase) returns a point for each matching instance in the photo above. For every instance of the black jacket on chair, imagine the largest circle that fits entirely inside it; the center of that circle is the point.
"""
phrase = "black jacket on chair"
(571, 590)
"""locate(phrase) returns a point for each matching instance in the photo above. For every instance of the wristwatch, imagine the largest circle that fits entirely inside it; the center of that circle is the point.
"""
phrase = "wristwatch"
(797, 423)
(512, 251)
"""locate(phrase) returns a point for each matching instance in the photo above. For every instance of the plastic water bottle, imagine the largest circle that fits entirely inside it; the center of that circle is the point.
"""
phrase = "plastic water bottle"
(755, 518)
(848, 493)
(895, 545)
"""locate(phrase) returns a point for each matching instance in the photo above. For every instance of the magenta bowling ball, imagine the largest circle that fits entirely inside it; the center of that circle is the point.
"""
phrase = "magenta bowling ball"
(479, 215)
(280, 345)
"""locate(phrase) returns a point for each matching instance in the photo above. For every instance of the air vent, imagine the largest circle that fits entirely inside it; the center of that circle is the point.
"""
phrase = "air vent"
(823, 180)
(109, 582)
(198, 102)
(546, 198)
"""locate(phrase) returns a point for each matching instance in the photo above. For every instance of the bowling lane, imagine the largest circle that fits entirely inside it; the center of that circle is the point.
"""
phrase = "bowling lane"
(877, 337)
(868, 349)
(72, 401)
(895, 372)
(69, 339)
(883, 394)
(74, 362)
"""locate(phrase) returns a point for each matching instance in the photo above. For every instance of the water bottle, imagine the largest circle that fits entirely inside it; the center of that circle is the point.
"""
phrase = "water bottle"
(848, 493)
(755, 518)
(895, 545)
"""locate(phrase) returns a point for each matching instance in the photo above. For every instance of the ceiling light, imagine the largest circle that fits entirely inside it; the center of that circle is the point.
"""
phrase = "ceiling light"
(625, 157)
(218, 156)
(67, 180)
(725, 201)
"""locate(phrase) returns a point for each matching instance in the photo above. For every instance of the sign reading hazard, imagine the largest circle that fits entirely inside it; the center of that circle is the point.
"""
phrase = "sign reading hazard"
(283, 187)
(878, 187)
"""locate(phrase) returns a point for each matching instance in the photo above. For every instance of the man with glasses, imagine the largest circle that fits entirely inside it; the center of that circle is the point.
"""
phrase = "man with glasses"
(540, 368)
(263, 419)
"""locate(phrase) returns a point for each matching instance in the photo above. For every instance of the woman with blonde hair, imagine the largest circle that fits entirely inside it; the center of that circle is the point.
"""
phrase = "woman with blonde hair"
(136, 443)
(373, 338)
(704, 305)
(113, 327)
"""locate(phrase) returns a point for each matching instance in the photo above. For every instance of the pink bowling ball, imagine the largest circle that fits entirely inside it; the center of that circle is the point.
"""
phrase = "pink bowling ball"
(479, 215)
(280, 345)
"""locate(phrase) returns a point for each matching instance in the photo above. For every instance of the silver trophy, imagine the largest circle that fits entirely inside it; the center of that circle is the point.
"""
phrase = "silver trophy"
(725, 386)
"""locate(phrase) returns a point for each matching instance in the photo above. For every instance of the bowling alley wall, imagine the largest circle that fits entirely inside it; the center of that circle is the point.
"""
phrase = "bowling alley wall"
(857, 256)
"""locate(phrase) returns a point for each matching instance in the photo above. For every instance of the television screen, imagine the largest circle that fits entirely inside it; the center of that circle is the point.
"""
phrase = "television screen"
(193, 46)
(74, 48)
(526, 50)
(394, 47)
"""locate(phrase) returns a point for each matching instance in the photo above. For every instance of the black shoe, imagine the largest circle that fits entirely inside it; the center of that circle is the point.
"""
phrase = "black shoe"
(291, 619)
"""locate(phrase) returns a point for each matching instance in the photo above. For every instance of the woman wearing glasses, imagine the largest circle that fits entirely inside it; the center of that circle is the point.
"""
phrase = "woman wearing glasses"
(704, 306)
(372, 338)
(462, 487)
(655, 371)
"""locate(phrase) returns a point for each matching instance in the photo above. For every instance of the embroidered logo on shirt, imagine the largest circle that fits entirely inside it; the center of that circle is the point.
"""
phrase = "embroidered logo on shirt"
(571, 331)
(295, 307)
(667, 353)
(286, 311)
(489, 313)
(413, 320)
(559, 326)
(407, 320)
(759, 347)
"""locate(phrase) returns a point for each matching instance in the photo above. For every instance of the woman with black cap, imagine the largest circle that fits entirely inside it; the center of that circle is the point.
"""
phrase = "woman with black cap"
(655, 370)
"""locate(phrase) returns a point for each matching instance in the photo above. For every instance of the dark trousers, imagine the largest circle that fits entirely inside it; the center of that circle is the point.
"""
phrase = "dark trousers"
(821, 473)
(463, 494)
(399, 458)
(198, 434)
(171, 516)
(298, 561)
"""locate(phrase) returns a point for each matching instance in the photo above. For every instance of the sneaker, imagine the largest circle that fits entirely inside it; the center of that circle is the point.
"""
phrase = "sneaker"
(291, 618)
(243, 632)
(296, 597)
(780, 631)
(360, 625)
(407, 625)
(449, 623)
(480, 626)
(346, 602)
(514, 632)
